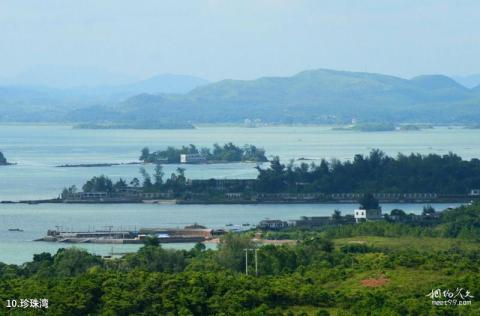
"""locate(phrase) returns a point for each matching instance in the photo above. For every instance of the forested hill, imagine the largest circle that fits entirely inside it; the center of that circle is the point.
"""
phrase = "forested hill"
(315, 96)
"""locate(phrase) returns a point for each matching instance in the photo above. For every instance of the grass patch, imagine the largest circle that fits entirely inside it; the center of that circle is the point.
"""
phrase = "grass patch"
(423, 244)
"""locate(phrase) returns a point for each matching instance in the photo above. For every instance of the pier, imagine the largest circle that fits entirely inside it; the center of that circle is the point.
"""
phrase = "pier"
(164, 235)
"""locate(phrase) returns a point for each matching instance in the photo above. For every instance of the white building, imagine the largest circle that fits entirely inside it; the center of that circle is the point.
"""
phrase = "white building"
(367, 215)
(475, 192)
(192, 158)
(272, 224)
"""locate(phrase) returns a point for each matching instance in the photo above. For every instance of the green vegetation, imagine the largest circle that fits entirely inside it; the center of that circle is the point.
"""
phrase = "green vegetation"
(375, 173)
(369, 272)
(447, 175)
(462, 223)
(79, 104)
(310, 97)
(414, 127)
(226, 153)
(102, 184)
(314, 97)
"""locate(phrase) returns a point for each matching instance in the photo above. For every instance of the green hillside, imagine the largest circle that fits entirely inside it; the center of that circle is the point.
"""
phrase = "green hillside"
(315, 96)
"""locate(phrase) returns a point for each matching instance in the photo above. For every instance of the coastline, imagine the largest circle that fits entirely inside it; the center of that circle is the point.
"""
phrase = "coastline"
(458, 199)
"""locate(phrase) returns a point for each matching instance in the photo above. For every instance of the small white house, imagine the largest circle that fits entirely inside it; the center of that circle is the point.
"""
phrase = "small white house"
(367, 215)
(475, 192)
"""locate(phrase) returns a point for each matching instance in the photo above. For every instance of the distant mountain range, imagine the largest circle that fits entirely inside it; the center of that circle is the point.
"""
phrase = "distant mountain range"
(44, 101)
(314, 96)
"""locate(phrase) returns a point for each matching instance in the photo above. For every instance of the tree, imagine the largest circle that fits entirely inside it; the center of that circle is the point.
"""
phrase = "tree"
(198, 249)
(337, 216)
(398, 212)
(120, 184)
(231, 252)
(147, 181)
(145, 156)
(135, 183)
(368, 202)
(276, 166)
(319, 243)
(151, 241)
(98, 184)
(70, 190)
(181, 179)
(158, 176)
(73, 261)
(428, 210)
(152, 257)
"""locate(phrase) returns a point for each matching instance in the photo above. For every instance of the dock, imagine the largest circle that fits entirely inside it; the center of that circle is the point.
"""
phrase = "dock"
(164, 235)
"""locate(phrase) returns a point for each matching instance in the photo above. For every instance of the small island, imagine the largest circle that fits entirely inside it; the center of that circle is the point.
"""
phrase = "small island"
(218, 154)
(368, 127)
(382, 127)
(414, 127)
(4, 161)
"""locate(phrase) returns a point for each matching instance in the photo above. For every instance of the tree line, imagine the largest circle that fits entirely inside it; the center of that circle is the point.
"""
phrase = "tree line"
(376, 172)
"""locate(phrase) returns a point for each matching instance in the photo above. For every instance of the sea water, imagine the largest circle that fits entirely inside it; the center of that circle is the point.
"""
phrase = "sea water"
(39, 149)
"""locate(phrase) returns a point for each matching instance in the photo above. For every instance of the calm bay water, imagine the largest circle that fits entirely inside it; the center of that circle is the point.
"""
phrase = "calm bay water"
(38, 149)
(18, 247)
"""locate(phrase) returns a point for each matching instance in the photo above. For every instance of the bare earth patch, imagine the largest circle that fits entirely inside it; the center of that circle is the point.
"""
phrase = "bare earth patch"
(276, 242)
(375, 282)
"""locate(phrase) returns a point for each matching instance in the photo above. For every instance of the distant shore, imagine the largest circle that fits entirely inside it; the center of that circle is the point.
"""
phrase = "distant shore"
(141, 125)
(456, 199)
(8, 164)
(88, 165)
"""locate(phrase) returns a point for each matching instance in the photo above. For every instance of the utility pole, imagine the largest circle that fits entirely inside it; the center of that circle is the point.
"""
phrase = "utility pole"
(255, 250)
(246, 260)
(256, 262)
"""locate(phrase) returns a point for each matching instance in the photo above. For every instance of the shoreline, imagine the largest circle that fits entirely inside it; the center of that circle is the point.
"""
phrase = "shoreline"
(243, 202)
(91, 165)
(111, 164)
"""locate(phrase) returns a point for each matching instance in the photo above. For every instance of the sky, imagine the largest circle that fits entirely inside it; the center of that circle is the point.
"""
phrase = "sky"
(240, 39)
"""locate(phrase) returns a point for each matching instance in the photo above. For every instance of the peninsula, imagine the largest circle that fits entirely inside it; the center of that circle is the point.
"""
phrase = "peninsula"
(91, 165)
(414, 178)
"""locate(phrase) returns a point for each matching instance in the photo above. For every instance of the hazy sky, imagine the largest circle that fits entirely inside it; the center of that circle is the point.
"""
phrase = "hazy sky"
(241, 38)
